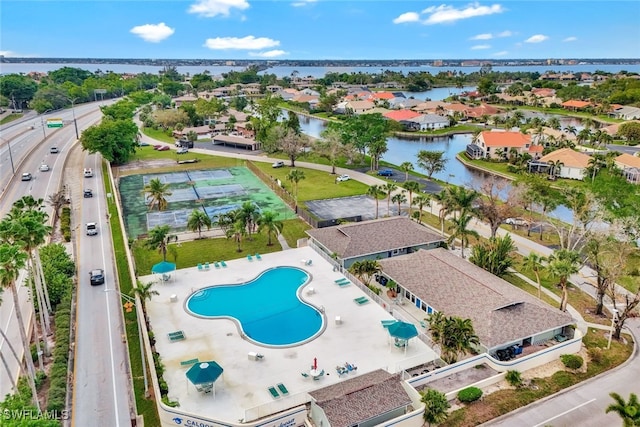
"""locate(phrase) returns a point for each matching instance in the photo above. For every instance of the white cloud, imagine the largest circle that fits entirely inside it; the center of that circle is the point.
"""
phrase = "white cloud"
(506, 33)
(570, 39)
(501, 53)
(301, 3)
(247, 43)
(446, 14)
(485, 36)
(211, 8)
(536, 39)
(407, 17)
(153, 33)
(269, 54)
(481, 46)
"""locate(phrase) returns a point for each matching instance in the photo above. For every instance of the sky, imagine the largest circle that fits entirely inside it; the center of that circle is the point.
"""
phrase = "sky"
(320, 29)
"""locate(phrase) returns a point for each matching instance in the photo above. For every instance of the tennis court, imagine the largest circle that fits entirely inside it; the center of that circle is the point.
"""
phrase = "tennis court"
(216, 191)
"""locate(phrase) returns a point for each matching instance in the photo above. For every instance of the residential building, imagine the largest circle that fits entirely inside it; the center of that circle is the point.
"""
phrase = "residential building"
(425, 122)
(495, 144)
(563, 163)
(399, 115)
(630, 166)
(575, 105)
(359, 107)
(626, 113)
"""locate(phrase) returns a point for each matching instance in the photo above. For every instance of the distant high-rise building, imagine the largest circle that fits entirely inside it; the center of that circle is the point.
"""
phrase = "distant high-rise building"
(437, 63)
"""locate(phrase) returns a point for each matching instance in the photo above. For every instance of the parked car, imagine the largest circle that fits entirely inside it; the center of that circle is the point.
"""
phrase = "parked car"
(385, 172)
(163, 148)
(516, 221)
(54, 150)
(184, 143)
(182, 150)
(343, 178)
(26, 176)
(96, 277)
(44, 168)
(87, 193)
(278, 164)
(92, 229)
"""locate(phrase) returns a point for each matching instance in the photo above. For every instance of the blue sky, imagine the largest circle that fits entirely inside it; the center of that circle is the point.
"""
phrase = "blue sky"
(320, 29)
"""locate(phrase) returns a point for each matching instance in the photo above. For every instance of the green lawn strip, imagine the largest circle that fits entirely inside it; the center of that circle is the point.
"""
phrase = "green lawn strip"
(205, 161)
(146, 407)
(10, 118)
(294, 229)
(504, 401)
(158, 134)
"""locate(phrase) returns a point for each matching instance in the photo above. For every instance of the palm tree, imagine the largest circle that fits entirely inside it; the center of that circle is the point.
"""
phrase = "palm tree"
(249, 213)
(295, 176)
(57, 200)
(389, 188)
(159, 239)
(365, 270)
(571, 130)
(459, 230)
(411, 187)
(12, 260)
(376, 192)
(554, 168)
(421, 201)
(406, 167)
(435, 406)
(454, 335)
(399, 198)
(583, 136)
(156, 192)
(197, 220)
(444, 200)
(462, 200)
(562, 264)
(533, 262)
(554, 123)
(144, 291)
(628, 411)
(464, 336)
(237, 231)
(268, 222)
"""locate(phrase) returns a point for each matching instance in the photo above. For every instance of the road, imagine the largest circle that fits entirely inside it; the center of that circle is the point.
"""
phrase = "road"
(102, 385)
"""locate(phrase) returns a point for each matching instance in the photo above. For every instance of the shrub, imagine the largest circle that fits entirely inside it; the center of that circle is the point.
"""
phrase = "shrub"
(39, 379)
(596, 355)
(571, 361)
(514, 378)
(469, 394)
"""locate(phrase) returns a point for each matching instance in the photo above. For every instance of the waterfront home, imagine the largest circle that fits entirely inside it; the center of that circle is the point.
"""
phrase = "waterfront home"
(182, 99)
(373, 240)
(626, 112)
(400, 115)
(563, 163)
(359, 107)
(425, 122)
(575, 105)
(402, 102)
(437, 280)
(630, 166)
(430, 107)
(497, 144)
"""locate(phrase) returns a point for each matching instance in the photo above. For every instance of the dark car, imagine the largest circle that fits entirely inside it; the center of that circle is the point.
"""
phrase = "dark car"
(385, 172)
(88, 193)
(96, 277)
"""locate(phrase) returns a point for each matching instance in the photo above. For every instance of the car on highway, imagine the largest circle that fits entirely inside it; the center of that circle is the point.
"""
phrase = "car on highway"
(88, 172)
(26, 176)
(516, 221)
(54, 150)
(87, 193)
(278, 164)
(96, 277)
(182, 150)
(343, 178)
(92, 229)
(44, 168)
(385, 172)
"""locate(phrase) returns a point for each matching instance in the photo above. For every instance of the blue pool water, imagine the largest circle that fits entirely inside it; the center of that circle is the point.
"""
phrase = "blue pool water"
(267, 308)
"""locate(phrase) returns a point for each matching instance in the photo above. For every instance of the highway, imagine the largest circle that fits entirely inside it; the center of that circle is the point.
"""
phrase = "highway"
(102, 394)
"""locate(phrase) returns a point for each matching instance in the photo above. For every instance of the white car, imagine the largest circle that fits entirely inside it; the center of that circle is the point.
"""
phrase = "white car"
(343, 178)
(88, 172)
(92, 229)
(278, 164)
(517, 221)
(44, 168)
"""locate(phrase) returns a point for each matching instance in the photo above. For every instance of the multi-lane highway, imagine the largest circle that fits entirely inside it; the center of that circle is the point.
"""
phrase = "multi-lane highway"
(101, 380)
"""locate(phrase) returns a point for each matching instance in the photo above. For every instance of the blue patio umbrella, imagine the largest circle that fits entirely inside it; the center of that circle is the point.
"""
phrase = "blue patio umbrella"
(403, 330)
(204, 374)
(163, 267)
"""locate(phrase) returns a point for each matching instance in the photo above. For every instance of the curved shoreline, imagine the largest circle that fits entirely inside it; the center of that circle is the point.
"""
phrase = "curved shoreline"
(482, 169)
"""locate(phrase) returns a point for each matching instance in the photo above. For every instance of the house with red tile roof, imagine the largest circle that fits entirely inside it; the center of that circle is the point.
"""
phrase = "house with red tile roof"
(630, 166)
(399, 115)
(382, 95)
(482, 110)
(543, 92)
(493, 144)
(574, 104)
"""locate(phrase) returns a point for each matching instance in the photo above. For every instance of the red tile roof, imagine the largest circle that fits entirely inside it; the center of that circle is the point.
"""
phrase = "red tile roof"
(398, 115)
(383, 95)
(568, 157)
(536, 149)
(574, 103)
(505, 139)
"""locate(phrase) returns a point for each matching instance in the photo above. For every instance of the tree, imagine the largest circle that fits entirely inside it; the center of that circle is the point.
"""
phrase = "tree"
(411, 187)
(18, 89)
(156, 193)
(159, 238)
(116, 140)
(628, 411)
(431, 161)
(376, 192)
(495, 255)
(459, 230)
(249, 214)
(630, 131)
(399, 198)
(454, 335)
(197, 220)
(389, 188)
(237, 231)
(490, 208)
(421, 201)
(57, 200)
(145, 291)
(406, 167)
(435, 406)
(533, 262)
(586, 214)
(562, 264)
(365, 270)
(330, 146)
(293, 122)
(269, 223)
(289, 142)
(295, 176)
(367, 132)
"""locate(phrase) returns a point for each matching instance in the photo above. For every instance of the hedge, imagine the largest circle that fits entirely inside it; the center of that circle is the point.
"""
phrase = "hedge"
(469, 394)
(571, 361)
(58, 386)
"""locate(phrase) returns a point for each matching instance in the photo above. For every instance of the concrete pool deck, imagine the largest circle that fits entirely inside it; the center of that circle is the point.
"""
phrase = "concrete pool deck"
(241, 393)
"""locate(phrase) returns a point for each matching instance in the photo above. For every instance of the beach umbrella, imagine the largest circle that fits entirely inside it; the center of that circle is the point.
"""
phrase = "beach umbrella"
(204, 373)
(163, 267)
(403, 330)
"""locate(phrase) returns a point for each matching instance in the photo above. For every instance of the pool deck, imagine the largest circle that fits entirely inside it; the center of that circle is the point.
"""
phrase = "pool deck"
(241, 393)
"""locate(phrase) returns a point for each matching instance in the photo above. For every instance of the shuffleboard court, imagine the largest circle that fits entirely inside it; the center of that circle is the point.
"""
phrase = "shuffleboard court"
(174, 219)
(182, 195)
(167, 178)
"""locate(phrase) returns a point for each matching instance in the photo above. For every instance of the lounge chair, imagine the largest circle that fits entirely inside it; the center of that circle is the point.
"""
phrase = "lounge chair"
(274, 392)
(258, 257)
(206, 265)
(282, 389)
(249, 257)
(387, 323)
(343, 284)
(342, 279)
(304, 374)
(424, 324)
(224, 264)
(309, 262)
(200, 267)
(361, 300)
(176, 336)
(166, 277)
(216, 264)
(189, 362)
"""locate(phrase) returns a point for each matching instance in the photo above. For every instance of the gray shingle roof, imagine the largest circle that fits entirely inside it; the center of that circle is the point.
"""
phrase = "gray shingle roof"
(500, 312)
(375, 236)
(352, 401)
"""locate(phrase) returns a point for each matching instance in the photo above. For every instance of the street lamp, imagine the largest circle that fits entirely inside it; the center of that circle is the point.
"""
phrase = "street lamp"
(144, 360)
(614, 318)
(13, 169)
(73, 111)
(42, 121)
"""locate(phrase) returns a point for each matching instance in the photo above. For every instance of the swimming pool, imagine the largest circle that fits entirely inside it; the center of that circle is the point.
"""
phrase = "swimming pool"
(267, 309)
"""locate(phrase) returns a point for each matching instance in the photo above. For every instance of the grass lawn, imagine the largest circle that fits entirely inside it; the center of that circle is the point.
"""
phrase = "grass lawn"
(158, 134)
(504, 401)
(294, 229)
(11, 117)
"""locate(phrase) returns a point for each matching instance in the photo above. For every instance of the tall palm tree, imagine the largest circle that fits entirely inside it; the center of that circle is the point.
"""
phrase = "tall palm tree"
(155, 193)
(406, 167)
(57, 200)
(237, 231)
(454, 335)
(628, 411)
(12, 260)
(555, 168)
(365, 270)
(571, 130)
(295, 176)
(249, 213)
(269, 223)
(376, 192)
(459, 230)
(562, 264)
(435, 406)
(197, 220)
(464, 334)
(389, 188)
(411, 187)
(584, 135)
(444, 200)
(422, 200)
(158, 238)
(145, 291)
(533, 262)
(399, 198)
